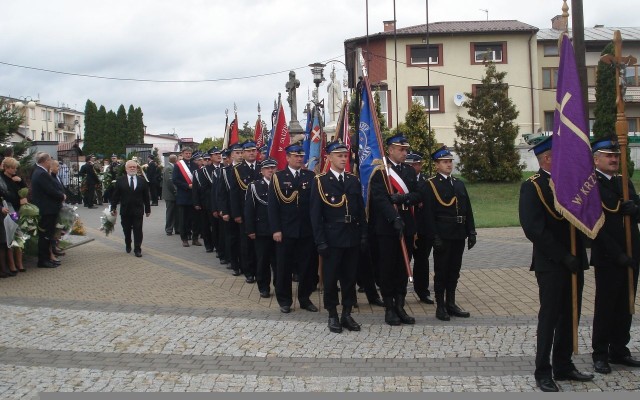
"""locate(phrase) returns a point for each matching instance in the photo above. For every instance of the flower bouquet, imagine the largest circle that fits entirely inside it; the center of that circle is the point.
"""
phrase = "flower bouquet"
(108, 220)
(27, 220)
(66, 219)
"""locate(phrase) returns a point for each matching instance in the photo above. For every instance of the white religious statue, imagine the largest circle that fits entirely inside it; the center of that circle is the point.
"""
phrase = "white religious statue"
(334, 98)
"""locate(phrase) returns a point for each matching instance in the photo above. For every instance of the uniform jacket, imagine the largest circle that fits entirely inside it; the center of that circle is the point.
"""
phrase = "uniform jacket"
(611, 241)
(132, 202)
(337, 213)
(289, 204)
(448, 212)
(419, 210)
(223, 190)
(168, 188)
(544, 227)
(184, 195)
(256, 216)
(216, 177)
(152, 172)
(382, 212)
(89, 173)
(203, 181)
(45, 193)
(242, 176)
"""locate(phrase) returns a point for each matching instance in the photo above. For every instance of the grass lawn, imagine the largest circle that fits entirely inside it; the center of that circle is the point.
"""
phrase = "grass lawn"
(496, 204)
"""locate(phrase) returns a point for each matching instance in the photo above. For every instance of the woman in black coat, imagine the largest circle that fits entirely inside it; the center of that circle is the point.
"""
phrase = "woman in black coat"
(10, 185)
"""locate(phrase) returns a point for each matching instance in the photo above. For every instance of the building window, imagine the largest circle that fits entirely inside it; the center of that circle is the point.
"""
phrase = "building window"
(633, 126)
(428, 97)
(549, 78)
(591, 76)
(424, 55)
(44, 115)
(384, 104)
(631, 75)
(551, 50)
(33, 134)
(32, 113)
(548, 121)
(496, 52)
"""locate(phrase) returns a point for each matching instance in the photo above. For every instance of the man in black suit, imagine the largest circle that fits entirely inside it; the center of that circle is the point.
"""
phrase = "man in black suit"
(339, 229)
(132, 192)
(256, 226)
(48, 197)
(611, 317)
(390, 216)
(243, 174)
(554, 265)
(232, 235)
(290, 224)
(449, 221)
(152, 176)
(91, 179)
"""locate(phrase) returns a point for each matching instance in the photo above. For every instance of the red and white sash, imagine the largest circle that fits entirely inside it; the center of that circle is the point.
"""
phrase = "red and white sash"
(397, 182)
(184, 170)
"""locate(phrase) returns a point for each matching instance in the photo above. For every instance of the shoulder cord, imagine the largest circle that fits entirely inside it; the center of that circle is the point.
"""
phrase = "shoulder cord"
(612, 210)
(240, 183)
(343, 201)
(206, 174)
(281, 196)
(226, 179)
(256, 196)
(549, 210)
(435, 191)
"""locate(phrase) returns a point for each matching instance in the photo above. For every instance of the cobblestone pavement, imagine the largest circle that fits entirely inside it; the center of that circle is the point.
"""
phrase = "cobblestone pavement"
(176, 320)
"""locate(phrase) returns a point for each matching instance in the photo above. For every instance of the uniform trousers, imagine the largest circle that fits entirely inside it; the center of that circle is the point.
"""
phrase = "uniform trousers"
(232, 244)
(392, 270)
(340, 264)
(611, 318)
(132, 223)
(265, 262)
(555, 326)
(366, 277)
(46, 232)
(185, 213)
(291, 253)
(447, 263)
(247, 253)
(205, 228)
(421, 266)
(196, 223)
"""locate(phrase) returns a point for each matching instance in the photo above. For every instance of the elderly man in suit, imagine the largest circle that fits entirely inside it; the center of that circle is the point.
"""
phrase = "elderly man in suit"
(132, 192)
(169, 196)
(48, 197)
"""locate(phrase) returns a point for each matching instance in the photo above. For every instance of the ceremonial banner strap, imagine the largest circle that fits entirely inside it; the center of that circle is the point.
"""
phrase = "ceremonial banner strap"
(184, 170)
(397, 182)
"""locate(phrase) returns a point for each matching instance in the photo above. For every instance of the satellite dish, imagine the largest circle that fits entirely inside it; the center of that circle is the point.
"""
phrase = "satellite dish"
(458, 99)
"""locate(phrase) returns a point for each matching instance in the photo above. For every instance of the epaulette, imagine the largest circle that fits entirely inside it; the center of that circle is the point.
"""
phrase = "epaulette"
(349, 173)
(321, 174)
(432, 178)
(533, 177)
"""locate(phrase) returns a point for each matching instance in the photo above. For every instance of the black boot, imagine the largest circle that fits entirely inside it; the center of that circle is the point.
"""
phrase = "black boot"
(441, 309)
(334, 323)
(453, 308)
(347, 320)
(402, 314)
(390, 315)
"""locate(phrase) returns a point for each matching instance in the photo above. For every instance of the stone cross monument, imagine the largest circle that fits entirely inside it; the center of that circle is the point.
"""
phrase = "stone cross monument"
(291, 86)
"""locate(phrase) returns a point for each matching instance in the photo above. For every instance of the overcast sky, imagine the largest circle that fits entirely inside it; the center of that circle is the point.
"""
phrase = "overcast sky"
(208, 40)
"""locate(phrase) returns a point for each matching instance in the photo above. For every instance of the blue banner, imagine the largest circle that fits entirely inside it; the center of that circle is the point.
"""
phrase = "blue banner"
(368, 139)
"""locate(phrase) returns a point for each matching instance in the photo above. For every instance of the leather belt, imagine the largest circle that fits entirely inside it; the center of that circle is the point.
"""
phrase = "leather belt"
(460, 219)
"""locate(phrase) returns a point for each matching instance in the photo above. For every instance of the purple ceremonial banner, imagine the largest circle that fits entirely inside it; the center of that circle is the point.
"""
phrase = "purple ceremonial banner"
(573, 178)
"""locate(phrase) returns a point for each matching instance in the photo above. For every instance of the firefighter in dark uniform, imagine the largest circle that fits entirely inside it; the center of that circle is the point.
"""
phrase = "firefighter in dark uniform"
(243, 174)
(203, 183)
(198, 212)
(390, 216)
(339, 229)
(422, 243)
(449, 219)
(611, 318)
(221, 249)
(553, 265)
(290, 225)
(256, 226)
(213, 172)
(232, 249)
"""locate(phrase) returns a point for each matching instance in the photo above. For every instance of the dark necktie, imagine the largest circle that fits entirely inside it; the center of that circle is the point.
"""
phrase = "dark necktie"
(131, 183)
(341, 181)
(449, 180)
(297, 174)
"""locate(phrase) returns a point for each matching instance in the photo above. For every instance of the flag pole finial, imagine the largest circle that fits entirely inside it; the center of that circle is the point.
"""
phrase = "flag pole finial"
(565, 15)
(235, 108)
(226, 112)
(259, 109)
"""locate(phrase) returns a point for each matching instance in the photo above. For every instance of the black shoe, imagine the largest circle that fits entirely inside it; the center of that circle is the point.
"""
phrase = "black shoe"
(224, 262)
(456, 311)
(427, 299)
(442, 314)
(377, 302)
(309, 307)
(56, 262)
(294, 277)
(349, 323)
(334, 325)
(285, 309)
(91, 207)
(236, 272)
(196, 242)
(169, 233)
(138, 253)
(360, 289)
(547, 385)
(390, 317)
(128, 248)
(13, 273)
(250, 279)
(602, 367)
(209, 250)
(58, 252)
(626, 360)
(265, 294)
(47, 264)
(404, 317)
(574, 375)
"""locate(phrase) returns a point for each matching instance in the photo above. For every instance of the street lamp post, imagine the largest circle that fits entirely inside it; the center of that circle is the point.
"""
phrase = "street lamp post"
(26, 102)
(318, 78)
